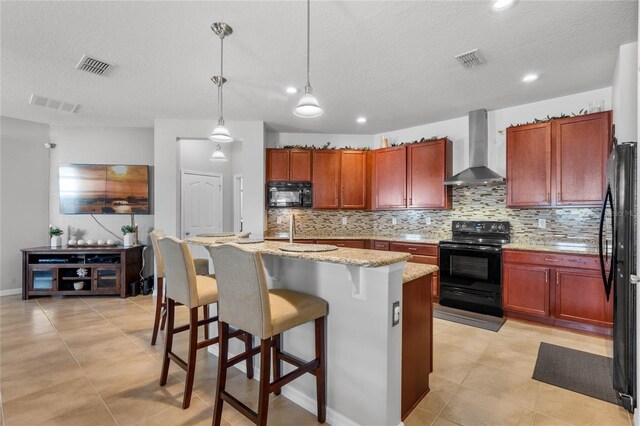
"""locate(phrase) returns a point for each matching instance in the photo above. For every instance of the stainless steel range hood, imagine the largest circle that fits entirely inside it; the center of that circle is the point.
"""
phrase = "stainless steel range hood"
(478, 173)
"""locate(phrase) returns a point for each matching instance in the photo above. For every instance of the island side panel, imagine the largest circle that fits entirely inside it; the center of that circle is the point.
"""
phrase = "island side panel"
(363, 349)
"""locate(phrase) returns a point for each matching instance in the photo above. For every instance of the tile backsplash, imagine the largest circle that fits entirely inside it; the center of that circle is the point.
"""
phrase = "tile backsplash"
(485, 202)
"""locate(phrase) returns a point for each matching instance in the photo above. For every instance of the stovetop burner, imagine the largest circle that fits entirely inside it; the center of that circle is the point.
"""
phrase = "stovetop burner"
(487, 233)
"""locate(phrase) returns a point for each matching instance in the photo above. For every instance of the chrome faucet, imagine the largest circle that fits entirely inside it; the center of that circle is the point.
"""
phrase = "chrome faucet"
(292, 226)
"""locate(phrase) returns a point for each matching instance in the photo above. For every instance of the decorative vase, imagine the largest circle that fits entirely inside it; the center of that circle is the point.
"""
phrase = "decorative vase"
(129, 240)
(56, 241)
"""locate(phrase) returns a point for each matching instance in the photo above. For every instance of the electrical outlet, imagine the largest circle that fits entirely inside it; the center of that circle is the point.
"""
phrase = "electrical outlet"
(395, 314)
(542, 223)
(280, 220)
(427, 221)
(394, 221)
(344, 220)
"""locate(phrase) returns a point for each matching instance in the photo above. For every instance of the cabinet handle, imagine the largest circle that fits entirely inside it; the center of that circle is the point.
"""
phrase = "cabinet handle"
(546, 278)
(576, 260)
(548, 197)
(410, 201)
(412, 249)
(552, 260)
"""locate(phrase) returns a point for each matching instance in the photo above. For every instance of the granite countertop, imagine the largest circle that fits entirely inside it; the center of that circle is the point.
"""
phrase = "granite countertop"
(555, 247)
(345, 256)
(414, 271)
(403, 238)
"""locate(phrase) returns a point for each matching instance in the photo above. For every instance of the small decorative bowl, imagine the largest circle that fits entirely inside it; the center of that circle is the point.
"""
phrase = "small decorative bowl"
(90, 242)
(72, 242)
(111, 242)
(81, 242)
(78, 285)
(100, 242)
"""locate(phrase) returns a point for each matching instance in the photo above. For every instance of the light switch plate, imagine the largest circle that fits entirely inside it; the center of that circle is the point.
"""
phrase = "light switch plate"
(427, 221)
(344, 220)
(542, 223)
(394, 221)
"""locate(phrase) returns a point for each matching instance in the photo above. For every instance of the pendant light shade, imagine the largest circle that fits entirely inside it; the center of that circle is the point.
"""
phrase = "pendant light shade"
(220, 133)
(218, 155)
(308, 105)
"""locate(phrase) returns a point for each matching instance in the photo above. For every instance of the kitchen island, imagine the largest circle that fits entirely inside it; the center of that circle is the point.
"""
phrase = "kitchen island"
(365, 350)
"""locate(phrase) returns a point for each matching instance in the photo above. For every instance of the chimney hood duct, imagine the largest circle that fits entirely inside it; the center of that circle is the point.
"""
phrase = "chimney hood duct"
(478, 173)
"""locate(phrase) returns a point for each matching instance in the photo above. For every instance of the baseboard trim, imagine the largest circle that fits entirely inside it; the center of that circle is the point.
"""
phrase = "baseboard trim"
(10, 292)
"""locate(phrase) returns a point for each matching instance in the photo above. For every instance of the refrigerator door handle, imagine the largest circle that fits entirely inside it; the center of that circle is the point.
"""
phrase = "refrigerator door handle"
(602, 248)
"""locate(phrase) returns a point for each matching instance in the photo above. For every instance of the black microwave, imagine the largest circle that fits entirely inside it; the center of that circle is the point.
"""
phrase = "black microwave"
(289, 194)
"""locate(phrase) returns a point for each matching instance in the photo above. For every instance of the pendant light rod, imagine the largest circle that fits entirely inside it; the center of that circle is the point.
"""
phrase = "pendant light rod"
(308, 40)
(221, 133)
(308, 105)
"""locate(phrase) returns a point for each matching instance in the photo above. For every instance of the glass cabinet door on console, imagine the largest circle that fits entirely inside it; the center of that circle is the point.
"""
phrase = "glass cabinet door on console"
(42, 278)
(106, 278)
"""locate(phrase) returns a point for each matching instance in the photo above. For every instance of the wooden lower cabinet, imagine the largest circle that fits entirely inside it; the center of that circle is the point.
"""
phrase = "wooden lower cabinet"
(580, 297)
(526, 289)
(417, 342)
(559, 289)
(422, 253)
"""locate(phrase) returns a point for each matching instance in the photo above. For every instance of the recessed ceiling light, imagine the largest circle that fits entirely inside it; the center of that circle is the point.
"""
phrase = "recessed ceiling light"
(361, 120)
(530, 77)
(502, 4)
(292, 90)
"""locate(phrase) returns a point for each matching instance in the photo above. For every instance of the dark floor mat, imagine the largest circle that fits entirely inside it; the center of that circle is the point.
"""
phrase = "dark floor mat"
(577, 371)
(473, 319)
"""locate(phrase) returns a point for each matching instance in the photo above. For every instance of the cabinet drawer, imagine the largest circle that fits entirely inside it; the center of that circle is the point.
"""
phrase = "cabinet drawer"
(424, 249)
(381, 245)
(427, 260)
(360, 244)
(552, 259)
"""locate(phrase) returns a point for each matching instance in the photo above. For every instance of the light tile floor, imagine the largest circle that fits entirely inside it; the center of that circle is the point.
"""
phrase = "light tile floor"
(77, 361)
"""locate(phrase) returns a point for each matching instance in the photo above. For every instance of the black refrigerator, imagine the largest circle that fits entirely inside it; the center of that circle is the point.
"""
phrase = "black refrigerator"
(618, 265)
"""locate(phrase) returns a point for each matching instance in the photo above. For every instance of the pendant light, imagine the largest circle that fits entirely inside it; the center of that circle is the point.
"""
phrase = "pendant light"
(308, 106)
(218, 155)
(220, 133)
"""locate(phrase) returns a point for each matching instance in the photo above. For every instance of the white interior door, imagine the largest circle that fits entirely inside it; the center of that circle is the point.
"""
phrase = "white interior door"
(201, 203)
(238, 205)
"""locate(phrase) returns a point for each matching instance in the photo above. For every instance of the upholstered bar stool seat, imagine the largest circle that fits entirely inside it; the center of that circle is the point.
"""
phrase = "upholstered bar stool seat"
(247, 304)
(290, 309)
(160, 317)
(207, 290)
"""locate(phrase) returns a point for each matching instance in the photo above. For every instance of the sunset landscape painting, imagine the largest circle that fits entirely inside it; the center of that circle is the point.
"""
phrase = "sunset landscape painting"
(104, 189)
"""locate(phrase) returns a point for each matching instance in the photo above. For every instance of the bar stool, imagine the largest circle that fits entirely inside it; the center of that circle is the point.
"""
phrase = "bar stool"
(193, 291)
(246, 303)
(202, 268)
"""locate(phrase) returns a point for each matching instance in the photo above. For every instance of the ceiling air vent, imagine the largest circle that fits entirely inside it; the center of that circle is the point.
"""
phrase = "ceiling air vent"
(470, 59)
(53, 104)
(93, 65)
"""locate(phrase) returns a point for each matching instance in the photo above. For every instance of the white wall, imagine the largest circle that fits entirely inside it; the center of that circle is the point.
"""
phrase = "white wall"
(167, 166)
(318, 139)
(24, 188)
(625, 93)
(98, 145)
(457, 129)
(194, 156)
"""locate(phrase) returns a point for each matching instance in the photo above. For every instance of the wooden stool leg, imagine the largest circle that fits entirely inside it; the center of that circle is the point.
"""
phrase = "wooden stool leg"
(265, 373)
(320, 372)
(205, 312)
(191, 360)
(164, 312)
(158, 314)
(223, 334)
(248, 344)
(168, 345)
(277, 364)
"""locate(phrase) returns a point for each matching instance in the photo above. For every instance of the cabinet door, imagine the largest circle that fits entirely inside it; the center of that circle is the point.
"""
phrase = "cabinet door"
(426, 172)
(390, 177)
(300, 165)
(277, 164)
(580, 297)
(106, 279)
(43, 278)
(526, 289)
(529, 165)
(581, 149)
(435, 286)
(353, 180)
(326, 179)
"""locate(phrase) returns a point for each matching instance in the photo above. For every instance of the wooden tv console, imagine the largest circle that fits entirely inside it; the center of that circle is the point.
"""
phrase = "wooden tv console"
(53, 271)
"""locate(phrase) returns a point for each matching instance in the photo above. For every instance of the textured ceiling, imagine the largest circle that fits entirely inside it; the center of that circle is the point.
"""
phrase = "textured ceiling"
(390, 61)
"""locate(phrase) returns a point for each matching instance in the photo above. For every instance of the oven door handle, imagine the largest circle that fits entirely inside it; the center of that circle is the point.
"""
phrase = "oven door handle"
(471, 248)
(460, 293)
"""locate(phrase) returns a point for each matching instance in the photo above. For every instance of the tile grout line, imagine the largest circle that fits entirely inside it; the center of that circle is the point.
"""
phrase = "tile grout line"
(78, 364)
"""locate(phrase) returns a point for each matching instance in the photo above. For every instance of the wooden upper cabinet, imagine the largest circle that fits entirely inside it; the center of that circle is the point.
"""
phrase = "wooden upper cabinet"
(428, 166)
(581, 149)
(288, 165)
(390, 178)
(353, 179)
(529, 165)
(558, 163)
(277, 164)
(300, 165)
(326, 179)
